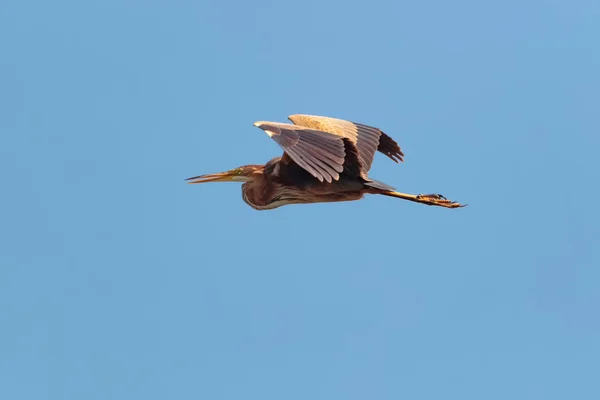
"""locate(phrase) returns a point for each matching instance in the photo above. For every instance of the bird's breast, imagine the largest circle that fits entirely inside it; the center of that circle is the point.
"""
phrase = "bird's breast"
(265, 196)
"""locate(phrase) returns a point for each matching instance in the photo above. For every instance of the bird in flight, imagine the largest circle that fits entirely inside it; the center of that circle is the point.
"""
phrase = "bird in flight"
(324, 160)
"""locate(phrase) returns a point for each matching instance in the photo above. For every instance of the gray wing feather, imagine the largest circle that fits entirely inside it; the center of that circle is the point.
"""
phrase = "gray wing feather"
(366, 138)
(320, 153)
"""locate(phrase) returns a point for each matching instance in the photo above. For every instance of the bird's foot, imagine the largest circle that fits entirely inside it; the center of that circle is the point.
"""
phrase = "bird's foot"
(438, 200)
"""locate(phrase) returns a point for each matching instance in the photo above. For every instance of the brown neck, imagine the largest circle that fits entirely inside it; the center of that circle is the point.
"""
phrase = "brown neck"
(256, 193)
(262, 194)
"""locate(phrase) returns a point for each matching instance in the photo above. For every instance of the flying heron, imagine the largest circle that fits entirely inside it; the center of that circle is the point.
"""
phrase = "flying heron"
(324, 160)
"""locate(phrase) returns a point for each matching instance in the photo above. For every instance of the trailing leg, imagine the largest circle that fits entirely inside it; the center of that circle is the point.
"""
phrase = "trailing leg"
(429, 199)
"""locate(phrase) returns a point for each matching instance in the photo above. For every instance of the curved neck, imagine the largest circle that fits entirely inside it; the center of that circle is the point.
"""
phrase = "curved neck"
(255, 193)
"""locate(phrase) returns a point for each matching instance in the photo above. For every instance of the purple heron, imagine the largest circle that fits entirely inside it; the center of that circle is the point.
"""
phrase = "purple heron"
(324, 160)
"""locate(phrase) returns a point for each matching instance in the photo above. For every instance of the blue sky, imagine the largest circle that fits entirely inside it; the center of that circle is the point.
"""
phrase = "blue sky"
(118, 281)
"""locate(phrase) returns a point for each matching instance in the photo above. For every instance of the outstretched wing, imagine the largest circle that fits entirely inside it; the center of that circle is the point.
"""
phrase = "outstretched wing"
(368, 139)
(320, 153)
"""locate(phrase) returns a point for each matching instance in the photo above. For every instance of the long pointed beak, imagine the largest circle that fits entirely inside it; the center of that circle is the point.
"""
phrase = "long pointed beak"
(219, 177)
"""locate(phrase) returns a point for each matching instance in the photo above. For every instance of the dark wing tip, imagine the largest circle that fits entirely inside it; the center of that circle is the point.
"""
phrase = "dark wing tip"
(390, 148)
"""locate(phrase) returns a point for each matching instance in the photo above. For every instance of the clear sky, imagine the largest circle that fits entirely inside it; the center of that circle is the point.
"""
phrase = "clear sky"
(119, 281)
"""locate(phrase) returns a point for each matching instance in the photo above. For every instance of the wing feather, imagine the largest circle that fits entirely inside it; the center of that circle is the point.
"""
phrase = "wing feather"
(312, 156)
(298, 159)
(320, 153)
(367, 139)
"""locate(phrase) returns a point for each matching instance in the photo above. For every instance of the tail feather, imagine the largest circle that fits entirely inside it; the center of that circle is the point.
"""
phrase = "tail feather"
(379, 185)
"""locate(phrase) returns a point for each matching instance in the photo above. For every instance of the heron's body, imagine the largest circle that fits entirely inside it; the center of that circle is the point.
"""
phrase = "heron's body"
(280, 184)
(324, 160)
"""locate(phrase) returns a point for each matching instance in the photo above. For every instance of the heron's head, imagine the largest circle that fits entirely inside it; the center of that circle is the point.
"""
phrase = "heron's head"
(245, 173)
